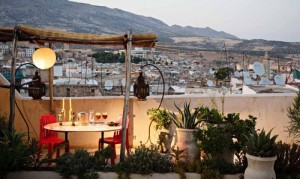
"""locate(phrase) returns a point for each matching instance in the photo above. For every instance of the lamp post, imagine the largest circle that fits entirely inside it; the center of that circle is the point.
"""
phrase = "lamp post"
(141, 91)
(43, 58)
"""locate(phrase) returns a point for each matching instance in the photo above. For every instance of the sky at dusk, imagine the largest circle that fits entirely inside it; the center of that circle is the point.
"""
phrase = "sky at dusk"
(246, 19)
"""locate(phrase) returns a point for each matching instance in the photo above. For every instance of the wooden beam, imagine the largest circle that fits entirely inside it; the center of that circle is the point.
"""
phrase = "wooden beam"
(127, 93)
(51, 86)
(12, 81)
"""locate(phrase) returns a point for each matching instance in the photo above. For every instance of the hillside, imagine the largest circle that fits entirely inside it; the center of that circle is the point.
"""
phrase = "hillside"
(79, 17)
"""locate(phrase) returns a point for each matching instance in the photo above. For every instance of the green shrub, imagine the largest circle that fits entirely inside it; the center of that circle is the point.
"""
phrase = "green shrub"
(145, 161)
(187, 118)
(3, 125)
(101, 158)
(221, 165)
(80, 163)
(294, 115)
(17, 154)
(161, 117)
(261, 144)
(211, 174)
(288, 159)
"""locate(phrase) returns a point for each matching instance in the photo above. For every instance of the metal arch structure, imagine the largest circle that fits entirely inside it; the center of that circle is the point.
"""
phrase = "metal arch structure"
(162, 98)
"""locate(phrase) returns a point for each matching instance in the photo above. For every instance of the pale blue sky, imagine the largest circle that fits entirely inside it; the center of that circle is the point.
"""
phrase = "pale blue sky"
(249, 19)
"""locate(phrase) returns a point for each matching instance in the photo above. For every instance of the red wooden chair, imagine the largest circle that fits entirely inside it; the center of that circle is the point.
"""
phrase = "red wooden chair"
(48, 137)
(117, 138)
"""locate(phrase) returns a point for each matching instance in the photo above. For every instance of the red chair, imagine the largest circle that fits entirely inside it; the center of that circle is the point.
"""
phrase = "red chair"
(48, 137)
(117, 138)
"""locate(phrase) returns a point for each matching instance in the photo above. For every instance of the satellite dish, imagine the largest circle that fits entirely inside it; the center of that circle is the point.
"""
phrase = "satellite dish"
(254, 75)
(237, 74)
(123, 82)
(264, 81)
(258, 68)
(247, 80)
(108, 85)
(246, 74)
(210, 83)
(279, 80)
(224, 88)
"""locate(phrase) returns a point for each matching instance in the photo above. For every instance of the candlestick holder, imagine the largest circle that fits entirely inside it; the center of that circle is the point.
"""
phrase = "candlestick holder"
(73, 117)
(63, 114)
(59, 118)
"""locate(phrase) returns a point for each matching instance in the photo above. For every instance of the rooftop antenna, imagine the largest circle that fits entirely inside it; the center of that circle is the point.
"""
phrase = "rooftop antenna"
(85, 71)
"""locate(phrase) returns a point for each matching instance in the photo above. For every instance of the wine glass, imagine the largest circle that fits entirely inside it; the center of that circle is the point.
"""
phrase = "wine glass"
(104, 115)
(98, 116)
(91, 117)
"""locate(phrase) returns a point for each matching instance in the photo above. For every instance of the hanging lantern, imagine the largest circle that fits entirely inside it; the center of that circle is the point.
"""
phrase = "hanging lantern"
(36, 83)
(140, 88)
(44, 58)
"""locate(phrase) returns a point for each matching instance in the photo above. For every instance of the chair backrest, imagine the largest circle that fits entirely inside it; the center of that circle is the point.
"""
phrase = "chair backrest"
(119, 120)
(118, 133)
(47, 119)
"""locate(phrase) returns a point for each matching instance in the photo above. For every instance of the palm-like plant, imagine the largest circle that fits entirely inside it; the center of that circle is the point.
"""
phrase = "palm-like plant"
(261, 144)
(187, 118)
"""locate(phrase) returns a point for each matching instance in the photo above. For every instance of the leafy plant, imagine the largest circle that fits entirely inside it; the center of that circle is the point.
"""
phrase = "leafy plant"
(211, 174)
(161, 117)
(177, 154)
(80, 163)
(294, 115)
(16, 154)
(261, 144)
(211, 116)
(187, 118)
(288, 158)
(223, 133)
(145, 161)
(3, 124)
(213, 141)
(101, 158)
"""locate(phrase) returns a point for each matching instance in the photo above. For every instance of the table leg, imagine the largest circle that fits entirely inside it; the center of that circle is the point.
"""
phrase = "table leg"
(102, 140)
(67, 149)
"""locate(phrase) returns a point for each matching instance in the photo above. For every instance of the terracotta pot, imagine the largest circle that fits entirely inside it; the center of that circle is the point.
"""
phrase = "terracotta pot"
(186, 142)
(260, 167)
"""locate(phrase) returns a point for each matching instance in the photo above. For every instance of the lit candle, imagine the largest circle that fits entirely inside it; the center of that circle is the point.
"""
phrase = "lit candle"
(70, 104)
(63, 105)
(70, 111)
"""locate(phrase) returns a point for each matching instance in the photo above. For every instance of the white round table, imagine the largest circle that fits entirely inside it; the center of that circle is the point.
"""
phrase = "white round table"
(67, 127)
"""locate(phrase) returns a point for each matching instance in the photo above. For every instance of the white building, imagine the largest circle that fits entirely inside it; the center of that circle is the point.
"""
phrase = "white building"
(29, 52)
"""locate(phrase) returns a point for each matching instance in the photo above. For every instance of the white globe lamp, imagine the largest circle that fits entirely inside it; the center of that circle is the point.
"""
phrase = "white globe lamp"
(44, 58)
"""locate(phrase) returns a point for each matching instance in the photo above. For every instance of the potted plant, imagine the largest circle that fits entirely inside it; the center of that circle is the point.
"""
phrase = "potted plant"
(294, 116)
(261, 154)
(186, 122)
(163, 126)
(220, 137)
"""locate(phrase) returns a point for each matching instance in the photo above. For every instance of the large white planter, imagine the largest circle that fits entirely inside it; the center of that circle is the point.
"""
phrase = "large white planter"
(260, 167)
(186, 142)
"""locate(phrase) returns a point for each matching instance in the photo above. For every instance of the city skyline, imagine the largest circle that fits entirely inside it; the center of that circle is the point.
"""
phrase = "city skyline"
(247, 19)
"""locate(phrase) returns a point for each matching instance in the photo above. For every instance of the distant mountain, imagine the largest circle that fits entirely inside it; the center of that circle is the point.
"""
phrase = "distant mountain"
(79, 17)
